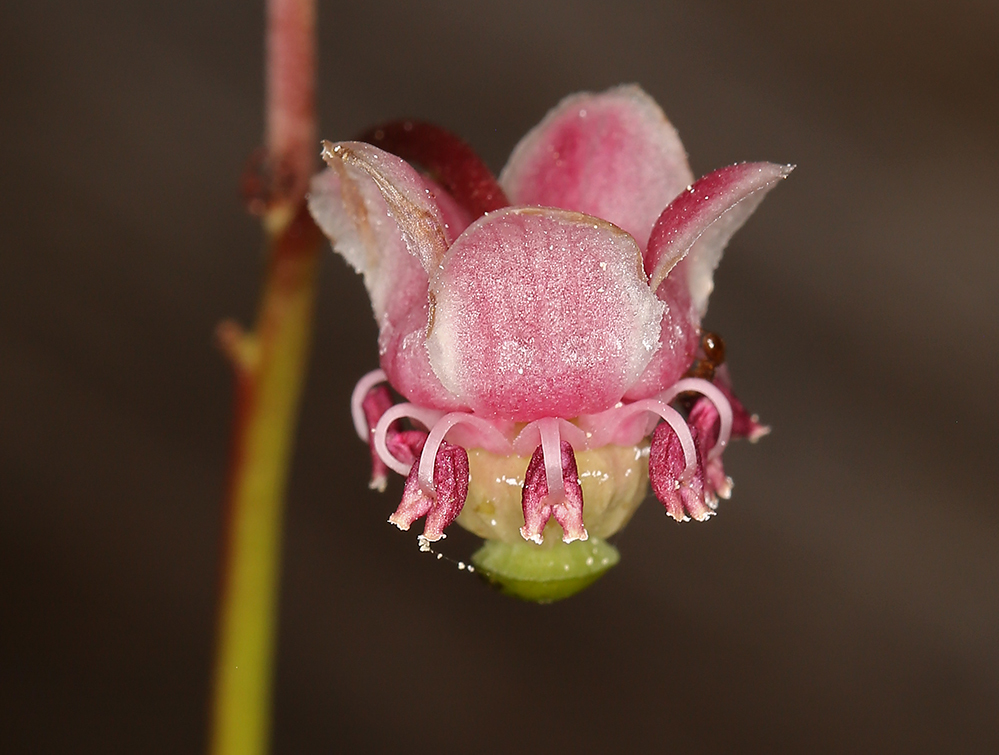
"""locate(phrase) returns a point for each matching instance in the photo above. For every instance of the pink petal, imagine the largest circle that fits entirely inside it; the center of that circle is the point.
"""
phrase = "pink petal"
(406, 198)
(452, 163)
(612, 155)
(541, 313)
(451, 485)
(350, 207)
(700, 221)
(679, 337)
(347, 205)
(539, 506)
(456, 218)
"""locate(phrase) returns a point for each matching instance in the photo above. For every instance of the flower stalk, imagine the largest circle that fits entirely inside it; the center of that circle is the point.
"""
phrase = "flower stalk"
(269, 365)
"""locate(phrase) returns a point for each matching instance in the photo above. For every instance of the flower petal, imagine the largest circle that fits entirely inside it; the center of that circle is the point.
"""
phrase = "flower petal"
(678, 337)
(350, 202)
(700, 221)
(613, 155)
(452, 162)
(347, 205)
(406, 197)
(541, 313)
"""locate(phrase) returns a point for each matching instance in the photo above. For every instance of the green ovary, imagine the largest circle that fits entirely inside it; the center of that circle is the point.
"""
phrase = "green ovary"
(614, 480)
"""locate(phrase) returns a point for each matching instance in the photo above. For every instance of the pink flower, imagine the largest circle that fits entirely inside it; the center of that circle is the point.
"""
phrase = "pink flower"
(550, 335)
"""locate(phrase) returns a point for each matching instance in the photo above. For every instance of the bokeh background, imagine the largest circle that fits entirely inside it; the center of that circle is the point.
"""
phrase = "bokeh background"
(845, 600)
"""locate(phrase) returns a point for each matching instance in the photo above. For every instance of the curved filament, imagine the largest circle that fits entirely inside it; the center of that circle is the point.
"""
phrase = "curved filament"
(364, 385)
(438, 430)
(551, 447)
(673, 418)
(713, 394)
(426, 417)
(529, 438)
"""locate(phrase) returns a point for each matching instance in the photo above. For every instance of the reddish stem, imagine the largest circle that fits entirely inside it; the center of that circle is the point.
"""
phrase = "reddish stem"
(291, 94)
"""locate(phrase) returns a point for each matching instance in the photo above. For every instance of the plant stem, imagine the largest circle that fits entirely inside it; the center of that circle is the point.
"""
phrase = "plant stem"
(269, 365)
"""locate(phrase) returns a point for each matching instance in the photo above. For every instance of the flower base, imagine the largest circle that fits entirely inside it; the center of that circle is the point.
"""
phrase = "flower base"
(544, 574)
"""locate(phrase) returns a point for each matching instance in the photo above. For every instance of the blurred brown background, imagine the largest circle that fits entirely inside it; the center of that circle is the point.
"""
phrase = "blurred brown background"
(845, 600)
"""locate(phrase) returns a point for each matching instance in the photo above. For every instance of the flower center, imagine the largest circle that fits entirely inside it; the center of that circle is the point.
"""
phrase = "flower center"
(502, 491)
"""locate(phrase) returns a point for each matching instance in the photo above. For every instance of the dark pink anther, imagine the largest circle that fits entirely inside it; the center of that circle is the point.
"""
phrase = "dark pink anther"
(666, 465)
(451, 485)
(406, 445)
(539, 507)
(450, 161)
(705, 419)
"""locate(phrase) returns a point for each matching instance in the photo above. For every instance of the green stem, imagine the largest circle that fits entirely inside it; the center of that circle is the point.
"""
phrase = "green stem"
(270, 366)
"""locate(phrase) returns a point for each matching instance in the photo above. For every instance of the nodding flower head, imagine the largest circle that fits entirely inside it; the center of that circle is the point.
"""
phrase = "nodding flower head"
(543, 330)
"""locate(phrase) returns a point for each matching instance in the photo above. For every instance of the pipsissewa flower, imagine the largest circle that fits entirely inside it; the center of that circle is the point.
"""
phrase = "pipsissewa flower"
(545, 329)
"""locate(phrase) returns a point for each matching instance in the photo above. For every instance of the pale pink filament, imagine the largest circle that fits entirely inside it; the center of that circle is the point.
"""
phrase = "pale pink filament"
(548, 430)
(426, 417)
(364, 385)
(672, 417)
(551, 447)
(439, 429)
(529, 438)
(716, 397)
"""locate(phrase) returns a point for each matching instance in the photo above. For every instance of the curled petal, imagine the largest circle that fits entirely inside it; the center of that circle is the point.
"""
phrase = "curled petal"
(682, 498)
(451, 486)
(349, 208)
(541, 312)
(539, 506)
(701, 220)
(613, 155)
(450, 161)
(352, 209)
(409, 202)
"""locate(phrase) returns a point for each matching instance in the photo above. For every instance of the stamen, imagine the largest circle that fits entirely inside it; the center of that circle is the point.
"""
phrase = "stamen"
(438, 430)
(426, 417)
(364, 385)
(696, 385)
(538, 499)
